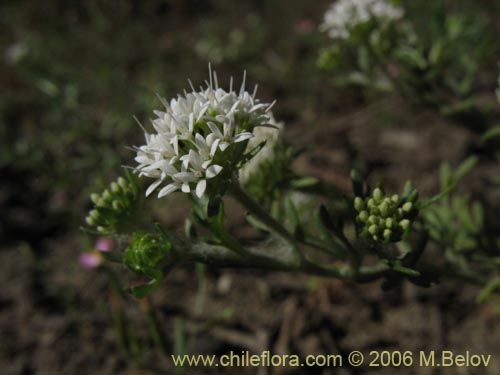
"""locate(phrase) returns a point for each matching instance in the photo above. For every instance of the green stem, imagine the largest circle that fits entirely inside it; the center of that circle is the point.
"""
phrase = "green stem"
(154, 325)
(256, 210)
(271, 258)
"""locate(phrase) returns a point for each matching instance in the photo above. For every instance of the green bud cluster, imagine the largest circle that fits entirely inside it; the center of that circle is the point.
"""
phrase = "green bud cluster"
(383, 218)
(114, 207)
(145, 251)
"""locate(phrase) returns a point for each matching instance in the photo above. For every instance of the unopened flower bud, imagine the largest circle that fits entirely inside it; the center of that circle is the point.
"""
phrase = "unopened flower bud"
(363, 216)
(395, 198)
(106, 195)
(115, 188)
(387, 234)
(370, 203)
(117, 205)
(94, 214)
(378, 194)
(90, 221)
(384, 209)
(389, 222)
(407, 207)
(404, 224)
(359, 204)
(373, 229)
(94, 197)
(123, 183)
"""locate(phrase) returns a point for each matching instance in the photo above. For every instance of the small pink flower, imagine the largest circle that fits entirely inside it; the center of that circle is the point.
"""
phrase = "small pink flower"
(304, 26)
(103, 244)
(90, 260)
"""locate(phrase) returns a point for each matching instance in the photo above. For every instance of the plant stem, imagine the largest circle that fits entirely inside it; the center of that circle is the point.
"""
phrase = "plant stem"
(267, 258)
(154, 324)
(256, 210)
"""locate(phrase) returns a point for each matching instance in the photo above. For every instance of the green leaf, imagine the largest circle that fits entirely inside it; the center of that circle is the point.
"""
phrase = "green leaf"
(326, 219)
(357, 183)
(249, 155)
(491, 287)
(292, 216)
(303, 182)
(465, 167)
(398, 267)
(491, 133)
(435, 52)
(141, 291)
(364, 60)
(408, 190)
(449, 180)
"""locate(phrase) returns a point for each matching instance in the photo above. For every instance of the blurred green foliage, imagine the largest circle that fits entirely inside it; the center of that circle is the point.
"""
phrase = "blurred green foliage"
(431, 57)
(74, 73)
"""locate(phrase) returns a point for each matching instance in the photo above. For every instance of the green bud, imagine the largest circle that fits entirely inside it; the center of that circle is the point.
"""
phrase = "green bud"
(387, 234)
(363, 216)
(372, 219)
(106, 195)
(90, 221)
(373, 229)
(407, 207)
(115, 188)
(359, 204)
(395, 198)
(370, 203)
(389, 222)
(123, 183)
(94, 214)
(404, 224)
(117, 205)
(101, 229)
(378, 194)
(384, 209)
(94, 197)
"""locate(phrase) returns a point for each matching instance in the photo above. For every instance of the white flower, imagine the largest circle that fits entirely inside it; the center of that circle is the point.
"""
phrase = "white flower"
(344, 15)
(194, 135)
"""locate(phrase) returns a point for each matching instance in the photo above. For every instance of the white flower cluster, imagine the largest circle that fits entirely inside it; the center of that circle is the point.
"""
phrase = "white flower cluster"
(195, 136)
(344, 15)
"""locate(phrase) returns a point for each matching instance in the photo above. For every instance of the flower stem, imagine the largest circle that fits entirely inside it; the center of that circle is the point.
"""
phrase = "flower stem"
(256, 210)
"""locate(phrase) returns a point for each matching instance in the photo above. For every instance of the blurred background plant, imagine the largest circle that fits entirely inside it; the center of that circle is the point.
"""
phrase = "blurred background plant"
(430, 53)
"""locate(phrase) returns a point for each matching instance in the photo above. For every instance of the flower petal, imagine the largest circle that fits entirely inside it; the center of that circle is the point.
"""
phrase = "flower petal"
(242, 137)
(167, 190)
(213, 171)
(215, 129)
(185, 177)
(186, 188)
(152, 187)
(223, 145)
(200, 188)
